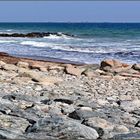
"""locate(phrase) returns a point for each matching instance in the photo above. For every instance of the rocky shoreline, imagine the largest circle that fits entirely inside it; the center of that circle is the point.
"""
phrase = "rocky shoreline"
(48, 100)
(34, 34)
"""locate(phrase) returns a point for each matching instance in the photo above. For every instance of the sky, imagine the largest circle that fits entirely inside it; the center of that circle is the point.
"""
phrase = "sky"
(70, 11)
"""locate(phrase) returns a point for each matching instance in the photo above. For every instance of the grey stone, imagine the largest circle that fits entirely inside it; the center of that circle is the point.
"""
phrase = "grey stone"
(130, 136)
(62, 128)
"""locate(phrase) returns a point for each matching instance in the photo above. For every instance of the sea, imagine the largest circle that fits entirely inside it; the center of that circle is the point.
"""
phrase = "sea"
(87, 43)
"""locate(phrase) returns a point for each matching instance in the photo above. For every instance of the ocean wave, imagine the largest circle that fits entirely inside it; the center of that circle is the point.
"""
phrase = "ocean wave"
(57, 36)
(34, 43)
(7, 41)
(64, 47)
(9, 30)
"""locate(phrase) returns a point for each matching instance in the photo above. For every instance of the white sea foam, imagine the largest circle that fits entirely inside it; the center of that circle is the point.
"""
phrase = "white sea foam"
(34, 43)
(53, 37)
(7, 41)
(9, 30)
(65, 47)
(59, 36)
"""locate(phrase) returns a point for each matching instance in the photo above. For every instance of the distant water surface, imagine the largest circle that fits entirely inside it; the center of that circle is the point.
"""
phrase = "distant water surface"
(92, 42)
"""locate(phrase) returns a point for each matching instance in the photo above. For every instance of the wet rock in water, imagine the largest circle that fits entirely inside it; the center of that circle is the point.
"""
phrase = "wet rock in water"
(33, 34)
(61, 128)
(136, 67)
(23, 64)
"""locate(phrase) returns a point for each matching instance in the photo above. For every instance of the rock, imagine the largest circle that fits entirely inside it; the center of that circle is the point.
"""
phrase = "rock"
(33, 34)
(23, 64)
(89, 73)
(39, 77)
(61, 128)
(121, 129)
(15, 125)
(38, 88)
(74, 70)
(67, 101)
(129, 136)
(96, 122)
(46, 101)
(82, 113)
(130, 106)
(25, 105)
(131, 71)
(43, 69)
(47, 80)
(9, 97)
(2, 63)
(99, 122)
(130, 75)
(39, 67)
(129, 119)
(136, 67)
(7, 134)
(91, 70)
(115, 66)
(137, 124)
(21, 80)
(9, 67)
(56, 68)
(111, 63)
(66, 109)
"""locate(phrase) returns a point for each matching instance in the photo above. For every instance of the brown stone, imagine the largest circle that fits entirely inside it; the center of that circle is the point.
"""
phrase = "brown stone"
(23, 64)
(74, 70)
(111, 63)
(136, 67)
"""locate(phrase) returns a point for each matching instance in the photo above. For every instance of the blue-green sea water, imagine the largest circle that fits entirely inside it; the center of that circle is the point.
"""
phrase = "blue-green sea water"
(92, 42)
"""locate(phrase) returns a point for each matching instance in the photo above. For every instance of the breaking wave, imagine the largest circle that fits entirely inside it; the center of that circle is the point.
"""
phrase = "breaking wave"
(65, 47)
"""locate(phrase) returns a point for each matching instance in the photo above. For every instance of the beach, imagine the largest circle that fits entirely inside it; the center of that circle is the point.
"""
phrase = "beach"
(57, 100)
(70, 81)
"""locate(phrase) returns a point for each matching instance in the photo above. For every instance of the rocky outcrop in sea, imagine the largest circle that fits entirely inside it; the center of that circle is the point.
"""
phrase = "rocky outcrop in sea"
(34, 34)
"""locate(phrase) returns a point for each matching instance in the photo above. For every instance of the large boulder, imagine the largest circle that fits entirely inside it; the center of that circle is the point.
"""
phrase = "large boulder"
(113, 66)
(12, 127)
(61, 128)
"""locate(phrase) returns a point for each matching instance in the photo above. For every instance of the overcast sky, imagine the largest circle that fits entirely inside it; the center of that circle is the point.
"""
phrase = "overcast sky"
(79, 11)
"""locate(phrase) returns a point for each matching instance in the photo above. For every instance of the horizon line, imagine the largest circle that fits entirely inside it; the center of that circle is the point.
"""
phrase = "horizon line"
(66, 22)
